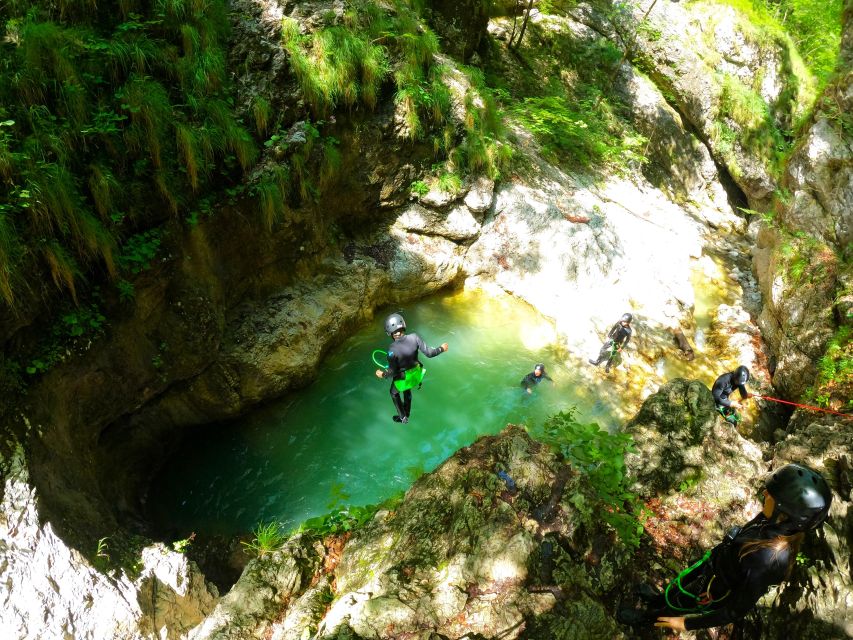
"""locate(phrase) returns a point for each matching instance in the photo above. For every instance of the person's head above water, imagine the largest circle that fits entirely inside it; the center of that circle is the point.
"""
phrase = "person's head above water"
(626, 318)
(741, 375)
(800, 494)
(539, 370)
(394, 324)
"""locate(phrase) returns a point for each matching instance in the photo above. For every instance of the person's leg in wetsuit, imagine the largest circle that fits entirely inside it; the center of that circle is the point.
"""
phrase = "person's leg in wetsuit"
(684, 596)
(402, 414)
(604, 354)
(407, 402)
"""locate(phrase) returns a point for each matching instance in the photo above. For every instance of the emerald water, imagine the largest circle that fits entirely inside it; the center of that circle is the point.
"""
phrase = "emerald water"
(334, 443)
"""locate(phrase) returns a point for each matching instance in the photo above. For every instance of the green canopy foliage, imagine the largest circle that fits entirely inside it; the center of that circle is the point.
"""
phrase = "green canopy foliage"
(111, 117)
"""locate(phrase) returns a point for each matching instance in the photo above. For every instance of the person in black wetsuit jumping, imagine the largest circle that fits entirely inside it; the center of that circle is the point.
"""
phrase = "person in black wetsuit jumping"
(724, 386)
(727, 582)
(535, 377)
(617, 338)
(403, 358)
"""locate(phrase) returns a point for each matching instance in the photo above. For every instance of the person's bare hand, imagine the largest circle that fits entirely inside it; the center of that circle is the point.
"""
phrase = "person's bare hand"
(666, 622)
(380, 373)
(444, 346)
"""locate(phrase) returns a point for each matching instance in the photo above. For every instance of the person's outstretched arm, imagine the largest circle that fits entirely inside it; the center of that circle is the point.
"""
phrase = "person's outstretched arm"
(430, 352)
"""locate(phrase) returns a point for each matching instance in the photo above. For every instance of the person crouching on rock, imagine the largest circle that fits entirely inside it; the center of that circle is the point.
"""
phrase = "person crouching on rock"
(617, 338)
(729, 579)
(404, 368)
(535, 377)
(724, 386)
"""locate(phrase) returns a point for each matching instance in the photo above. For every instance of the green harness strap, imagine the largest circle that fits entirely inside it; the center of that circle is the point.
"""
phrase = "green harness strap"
(412, 378)
(700, 606)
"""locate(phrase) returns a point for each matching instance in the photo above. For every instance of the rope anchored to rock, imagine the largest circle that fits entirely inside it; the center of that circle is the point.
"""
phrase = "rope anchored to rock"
(804, 406)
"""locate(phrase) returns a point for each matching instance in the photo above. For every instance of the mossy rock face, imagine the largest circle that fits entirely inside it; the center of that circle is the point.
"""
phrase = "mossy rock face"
(469, 553)
(669, 431)
(690, 461)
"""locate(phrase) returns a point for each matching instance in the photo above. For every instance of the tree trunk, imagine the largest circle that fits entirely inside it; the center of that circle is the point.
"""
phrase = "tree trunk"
(523, 26)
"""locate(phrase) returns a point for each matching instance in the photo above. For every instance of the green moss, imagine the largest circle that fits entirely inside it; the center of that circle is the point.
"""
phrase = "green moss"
(754, 127)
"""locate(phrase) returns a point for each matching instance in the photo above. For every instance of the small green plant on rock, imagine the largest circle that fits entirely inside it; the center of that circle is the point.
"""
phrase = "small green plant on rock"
(268, 537)
(419, 188)
(181, 546)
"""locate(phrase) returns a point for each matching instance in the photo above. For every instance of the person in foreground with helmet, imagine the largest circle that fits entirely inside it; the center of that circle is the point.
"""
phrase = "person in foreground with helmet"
(724, 386)
(404, 368)
(535, 377)
(617, 338)
(729, 579)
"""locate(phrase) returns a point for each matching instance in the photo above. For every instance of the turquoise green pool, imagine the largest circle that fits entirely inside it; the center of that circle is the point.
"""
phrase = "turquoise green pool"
(334, 442)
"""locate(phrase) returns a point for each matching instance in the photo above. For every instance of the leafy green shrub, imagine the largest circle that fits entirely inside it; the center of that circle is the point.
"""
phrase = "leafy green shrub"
(575, 131)
(268, 537)
(140, 250)
(345, 518)
(108, 114)
(600, 456)
(756, 129)
(72, 333)
(835, 370)
(419, 188)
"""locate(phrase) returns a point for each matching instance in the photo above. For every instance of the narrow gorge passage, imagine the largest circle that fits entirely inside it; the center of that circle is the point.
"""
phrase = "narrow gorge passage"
(334, 444)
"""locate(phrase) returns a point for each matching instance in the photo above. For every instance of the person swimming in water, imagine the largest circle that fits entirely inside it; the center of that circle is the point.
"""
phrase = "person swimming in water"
(535, 377)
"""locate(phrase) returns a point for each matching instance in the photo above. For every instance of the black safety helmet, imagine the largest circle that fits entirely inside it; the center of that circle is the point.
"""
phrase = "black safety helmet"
(800, 493)
(626, 317)
(741, 375)
(394, 323)
(539, 367)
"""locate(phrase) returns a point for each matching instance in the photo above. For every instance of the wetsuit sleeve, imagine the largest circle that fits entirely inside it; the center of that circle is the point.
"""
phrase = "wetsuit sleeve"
(393, 366)
(627, 336)
(717, 391)
(429, 352)
(614, 332)
(760, 570)
(526, 381)
(743, 392)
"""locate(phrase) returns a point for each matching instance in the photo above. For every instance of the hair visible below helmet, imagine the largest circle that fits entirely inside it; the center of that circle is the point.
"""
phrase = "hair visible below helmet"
(539, 367)
(626, 317)
(741, 375)
(394, 323)
(801, 494)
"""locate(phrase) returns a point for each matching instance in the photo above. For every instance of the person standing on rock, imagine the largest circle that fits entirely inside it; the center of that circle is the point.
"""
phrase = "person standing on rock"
(729, 579)
(724, 386)
(535, 377)
(404, 368)
(617, 338)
